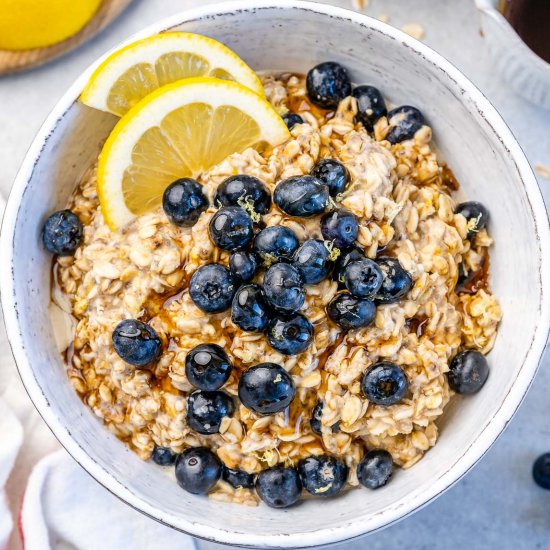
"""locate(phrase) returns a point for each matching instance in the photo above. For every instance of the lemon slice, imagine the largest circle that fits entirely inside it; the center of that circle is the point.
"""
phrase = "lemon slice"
(180, 130)
(131, 73)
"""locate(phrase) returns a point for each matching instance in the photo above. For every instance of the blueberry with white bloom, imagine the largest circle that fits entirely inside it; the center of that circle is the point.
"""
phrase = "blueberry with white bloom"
(136, 342)
(403, 122)
(327, 84)
(275, 243)
(198, 469)
(363, 278)
(284, 288)
(289, 334)
(384, 383)
(183, 202)
(207, 409)
(245, 191)
(375, 469)
(279, 487)
(301, 196)
(212, 288)
(476, 215)
(207, 367)
(350, 312)
(266, 388)
(396, 281)
(340, 227)
(370, 105)
(312, 260)
(323, 475)
(231, 228)
(249, 310)
(63, 233)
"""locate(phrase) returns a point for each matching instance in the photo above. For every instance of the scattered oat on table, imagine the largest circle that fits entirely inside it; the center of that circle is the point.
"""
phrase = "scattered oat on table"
(542, 170)
(360, 4)
(383, 17)
(414, 29)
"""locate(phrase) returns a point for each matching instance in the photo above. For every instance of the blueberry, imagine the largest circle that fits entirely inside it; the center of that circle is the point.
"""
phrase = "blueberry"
(315, 420)
(63, 232)
(198, 470)
(404, 122)
(207, 409)
(375, 469)
(332, 173)
(301, 196)
(363, 278)
(541, 471)
(312, 260)
(289, 335)
(283, 287)
(291, 119)
(279, 487)
(476, 215)
(468, 372)
(464, 278)
(384, 383)
(231, 228)
(163, 456)
(350, 312)
(340, 227)
(275, 243)
(244, 190)
(370, 105)
(212, 288)
(327, 84)
(136, 342)
(396, 283)
(249, 310)
(238, 478)
(207, 367)
(243, 266)
(266, 388)
(323, 476)
(345, 257)
(184, 201)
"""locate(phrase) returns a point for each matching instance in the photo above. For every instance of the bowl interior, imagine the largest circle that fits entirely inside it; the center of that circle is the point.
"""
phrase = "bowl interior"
(294, 39)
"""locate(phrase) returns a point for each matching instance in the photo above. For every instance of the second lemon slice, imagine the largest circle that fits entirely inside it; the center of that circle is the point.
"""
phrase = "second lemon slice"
(129, 74)
(180, 130)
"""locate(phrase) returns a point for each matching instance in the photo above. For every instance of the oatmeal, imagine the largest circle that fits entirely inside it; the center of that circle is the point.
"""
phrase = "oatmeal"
(361, 377)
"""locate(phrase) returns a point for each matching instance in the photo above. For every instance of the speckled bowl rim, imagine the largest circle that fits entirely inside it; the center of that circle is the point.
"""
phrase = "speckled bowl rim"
(349, 529)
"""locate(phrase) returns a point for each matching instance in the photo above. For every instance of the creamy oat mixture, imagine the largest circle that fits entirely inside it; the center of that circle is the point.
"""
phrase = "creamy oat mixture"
(401, 195)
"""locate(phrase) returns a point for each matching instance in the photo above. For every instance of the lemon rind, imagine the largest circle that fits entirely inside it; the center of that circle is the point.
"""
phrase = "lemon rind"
(148, 50)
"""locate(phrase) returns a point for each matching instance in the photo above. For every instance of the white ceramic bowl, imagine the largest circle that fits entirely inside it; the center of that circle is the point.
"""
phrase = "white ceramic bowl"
(487, 161)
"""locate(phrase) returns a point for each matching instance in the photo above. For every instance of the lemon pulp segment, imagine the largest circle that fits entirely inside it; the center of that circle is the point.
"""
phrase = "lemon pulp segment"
(225, 130)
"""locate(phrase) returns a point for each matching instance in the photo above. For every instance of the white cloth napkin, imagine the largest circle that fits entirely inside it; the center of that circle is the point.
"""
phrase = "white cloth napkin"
(11, 434)
(64, 508)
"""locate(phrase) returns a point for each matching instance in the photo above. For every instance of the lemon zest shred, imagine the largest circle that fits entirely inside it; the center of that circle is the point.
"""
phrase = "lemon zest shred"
(247, 204)
(334, 251)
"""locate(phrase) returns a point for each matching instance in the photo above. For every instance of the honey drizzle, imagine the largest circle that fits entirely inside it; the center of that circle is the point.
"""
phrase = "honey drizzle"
(448, 179)
(480, 279)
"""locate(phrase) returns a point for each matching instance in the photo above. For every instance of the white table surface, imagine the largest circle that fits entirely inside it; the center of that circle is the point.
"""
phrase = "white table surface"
(497, 505)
